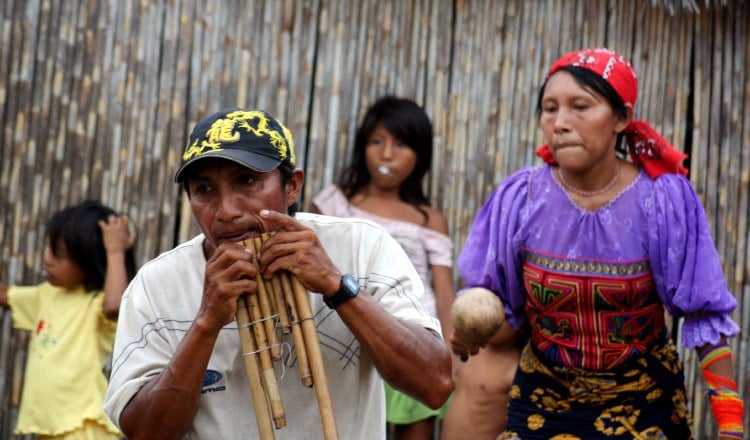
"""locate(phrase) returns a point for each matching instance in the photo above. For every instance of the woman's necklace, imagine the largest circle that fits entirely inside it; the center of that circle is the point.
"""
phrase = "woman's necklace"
(581, 192)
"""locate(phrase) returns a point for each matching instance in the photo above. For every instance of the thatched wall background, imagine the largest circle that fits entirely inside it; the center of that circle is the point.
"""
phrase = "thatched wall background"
(96, 97)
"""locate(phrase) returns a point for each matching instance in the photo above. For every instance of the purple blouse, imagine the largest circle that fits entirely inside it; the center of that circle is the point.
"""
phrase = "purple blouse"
(659, 225)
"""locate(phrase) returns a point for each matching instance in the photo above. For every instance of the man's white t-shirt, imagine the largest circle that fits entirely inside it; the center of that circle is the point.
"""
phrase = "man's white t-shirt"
(161, 302)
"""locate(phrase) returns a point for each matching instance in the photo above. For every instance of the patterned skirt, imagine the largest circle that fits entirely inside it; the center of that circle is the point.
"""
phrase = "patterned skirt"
(642, 400)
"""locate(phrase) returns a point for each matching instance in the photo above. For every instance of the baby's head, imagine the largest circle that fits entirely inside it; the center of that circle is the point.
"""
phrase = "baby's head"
(75, 253)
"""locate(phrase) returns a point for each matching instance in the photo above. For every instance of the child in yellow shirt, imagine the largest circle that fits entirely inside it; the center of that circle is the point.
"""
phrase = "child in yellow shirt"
(88, 260)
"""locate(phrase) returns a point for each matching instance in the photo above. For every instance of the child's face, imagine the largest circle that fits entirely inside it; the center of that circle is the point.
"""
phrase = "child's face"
(389, 160)
(61, 271)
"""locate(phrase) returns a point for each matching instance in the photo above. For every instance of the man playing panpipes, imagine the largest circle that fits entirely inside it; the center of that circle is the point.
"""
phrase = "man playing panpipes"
(178, 364)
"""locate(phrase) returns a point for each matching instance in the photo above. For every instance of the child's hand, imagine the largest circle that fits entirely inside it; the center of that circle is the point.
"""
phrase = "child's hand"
(462, 348)
(115, 233)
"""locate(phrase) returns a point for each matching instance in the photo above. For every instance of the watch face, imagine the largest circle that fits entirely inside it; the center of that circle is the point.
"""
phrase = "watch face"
(351, 285)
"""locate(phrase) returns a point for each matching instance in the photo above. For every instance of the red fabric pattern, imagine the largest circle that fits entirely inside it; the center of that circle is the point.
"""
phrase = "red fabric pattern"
(584, 320)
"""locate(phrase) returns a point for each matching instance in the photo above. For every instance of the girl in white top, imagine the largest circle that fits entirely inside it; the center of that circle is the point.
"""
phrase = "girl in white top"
(383, 183)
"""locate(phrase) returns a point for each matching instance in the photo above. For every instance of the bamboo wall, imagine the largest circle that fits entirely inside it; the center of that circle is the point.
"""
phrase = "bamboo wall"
(98, 96)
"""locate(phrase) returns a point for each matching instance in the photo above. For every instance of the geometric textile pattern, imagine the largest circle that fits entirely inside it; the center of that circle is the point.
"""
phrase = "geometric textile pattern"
(589, 314)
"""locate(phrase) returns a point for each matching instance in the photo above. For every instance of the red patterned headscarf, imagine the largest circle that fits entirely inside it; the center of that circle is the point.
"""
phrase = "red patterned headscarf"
(647, 148)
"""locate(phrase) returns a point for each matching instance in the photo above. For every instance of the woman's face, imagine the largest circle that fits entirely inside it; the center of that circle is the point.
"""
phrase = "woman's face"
(579, 124)
(389, 160)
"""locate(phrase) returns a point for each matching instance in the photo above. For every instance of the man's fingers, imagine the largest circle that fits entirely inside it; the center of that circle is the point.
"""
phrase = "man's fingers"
(226, 253)
(286, 222)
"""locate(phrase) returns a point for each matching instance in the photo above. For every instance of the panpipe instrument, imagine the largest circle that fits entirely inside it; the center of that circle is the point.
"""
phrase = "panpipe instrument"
(285, 300)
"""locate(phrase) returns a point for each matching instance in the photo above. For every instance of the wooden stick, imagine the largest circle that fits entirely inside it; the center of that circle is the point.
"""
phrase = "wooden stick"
(281, 307)
(310, 333)
(265, 306)
(269, 375)
(299, 340)
(272, 304)
(257, 243)
(250, 356)
(276, 293)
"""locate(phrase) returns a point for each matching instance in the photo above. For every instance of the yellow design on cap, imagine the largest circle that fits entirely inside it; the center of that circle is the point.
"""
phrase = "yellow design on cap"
(255, 122)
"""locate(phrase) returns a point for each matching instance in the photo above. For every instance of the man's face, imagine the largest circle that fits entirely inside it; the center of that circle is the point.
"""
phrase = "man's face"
(226, 197)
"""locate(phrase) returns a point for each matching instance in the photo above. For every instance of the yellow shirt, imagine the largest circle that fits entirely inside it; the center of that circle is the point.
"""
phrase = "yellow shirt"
(71, 340)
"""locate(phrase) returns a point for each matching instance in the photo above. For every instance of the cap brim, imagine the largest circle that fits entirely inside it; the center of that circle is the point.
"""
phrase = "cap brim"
(254, 161)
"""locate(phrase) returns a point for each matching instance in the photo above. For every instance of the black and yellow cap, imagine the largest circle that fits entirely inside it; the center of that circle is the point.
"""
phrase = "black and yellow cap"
(252, 138)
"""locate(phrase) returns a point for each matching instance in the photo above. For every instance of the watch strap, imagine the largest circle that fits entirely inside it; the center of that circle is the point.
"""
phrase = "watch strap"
(348, 290)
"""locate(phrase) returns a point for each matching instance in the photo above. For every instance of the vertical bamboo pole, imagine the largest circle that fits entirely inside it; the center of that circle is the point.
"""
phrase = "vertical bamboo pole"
(269, 375)
(264, 304)
(250, 357)
(296, 327)
(310, 333)
(276, 292)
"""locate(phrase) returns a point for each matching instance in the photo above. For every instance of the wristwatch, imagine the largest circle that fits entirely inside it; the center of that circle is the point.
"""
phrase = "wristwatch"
(348, 290)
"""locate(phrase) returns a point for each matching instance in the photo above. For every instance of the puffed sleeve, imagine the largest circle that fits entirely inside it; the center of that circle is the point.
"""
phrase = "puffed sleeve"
(491, 257)
(686, 266)
(331, 201)
(438, 246)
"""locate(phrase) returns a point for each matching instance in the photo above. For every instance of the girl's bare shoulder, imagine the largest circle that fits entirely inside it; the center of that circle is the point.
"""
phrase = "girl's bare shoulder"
(436, 220)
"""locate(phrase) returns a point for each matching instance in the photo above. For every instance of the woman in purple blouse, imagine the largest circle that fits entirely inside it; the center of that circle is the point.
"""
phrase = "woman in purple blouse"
(589, 251)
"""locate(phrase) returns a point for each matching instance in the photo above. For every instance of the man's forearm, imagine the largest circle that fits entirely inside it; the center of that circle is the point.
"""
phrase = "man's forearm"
(411, 359)
(166, 406)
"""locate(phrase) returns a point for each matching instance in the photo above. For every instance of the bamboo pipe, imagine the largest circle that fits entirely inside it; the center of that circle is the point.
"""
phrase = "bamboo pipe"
(277, 294)
(310, 333)
(293, 322)
(269, 375)
(281, 306)
(265, 305)
(296, 327)
(258, 327)
(257, 243)
(250, 357)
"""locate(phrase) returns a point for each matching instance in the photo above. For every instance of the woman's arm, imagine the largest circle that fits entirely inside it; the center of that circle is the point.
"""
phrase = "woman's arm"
(728, 408)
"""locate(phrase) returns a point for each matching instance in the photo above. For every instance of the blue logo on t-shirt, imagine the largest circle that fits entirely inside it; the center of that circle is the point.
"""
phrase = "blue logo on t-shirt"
(211, 377)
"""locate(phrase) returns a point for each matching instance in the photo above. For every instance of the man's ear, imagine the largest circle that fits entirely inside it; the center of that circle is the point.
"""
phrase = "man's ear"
(622, 123)
(294, 187)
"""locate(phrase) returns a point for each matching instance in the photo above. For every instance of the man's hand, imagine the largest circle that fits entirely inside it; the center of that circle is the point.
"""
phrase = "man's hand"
(296, 249)
(230, 272)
